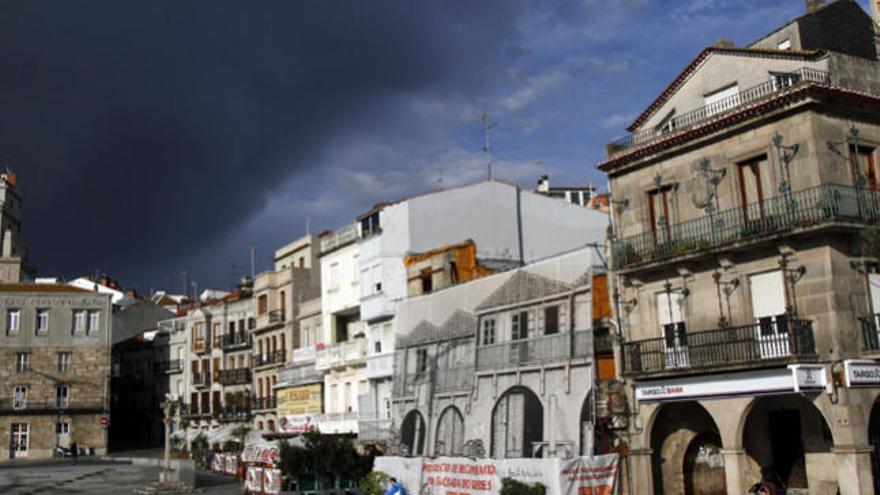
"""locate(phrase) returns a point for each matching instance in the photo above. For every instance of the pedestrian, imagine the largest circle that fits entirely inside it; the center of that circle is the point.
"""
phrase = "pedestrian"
(396, 488)
(770, 484)
(74, 450)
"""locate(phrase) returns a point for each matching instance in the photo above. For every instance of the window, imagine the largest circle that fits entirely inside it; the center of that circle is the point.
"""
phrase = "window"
(377, 279)
(421, 360)
(574, 197)
(13, 320)
(262, 304)
(784, 44)
(783, 80)
(21, 362)
(658, 210)
(426, 277)
(453, 273)
(866, 166)
(377, 347)
(215, 334)
(488, 336)
(252, 323)
(19, 397)
(94, 321)
(302, 262)
(520, 326)
(63, 362)
(753, 174)
(668, 123)
(370, 225)
(79, 321)
(62, 428)
(62, 396)
(42, 321)
(722, 100)
(551, 320)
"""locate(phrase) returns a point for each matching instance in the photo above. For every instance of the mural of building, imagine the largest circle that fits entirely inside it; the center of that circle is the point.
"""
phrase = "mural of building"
(502, 366)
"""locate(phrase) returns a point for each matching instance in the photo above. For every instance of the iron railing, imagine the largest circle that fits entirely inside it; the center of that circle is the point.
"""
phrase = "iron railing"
(539, 350)
(201, 379)
(235, 340)
(870, 333)
(277, 316)
(809, 207)
(232, 414)
(445, 380)
(239, 376)
(299, 375)
(268, 358)
(768, 340)
(260, 403)
(18, 406)
(779, 84)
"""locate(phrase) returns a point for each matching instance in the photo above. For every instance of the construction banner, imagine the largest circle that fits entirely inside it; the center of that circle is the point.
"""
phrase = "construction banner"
(464, 476)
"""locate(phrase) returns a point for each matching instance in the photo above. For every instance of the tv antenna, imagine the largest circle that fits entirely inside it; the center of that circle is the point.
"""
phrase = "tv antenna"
(487, 148)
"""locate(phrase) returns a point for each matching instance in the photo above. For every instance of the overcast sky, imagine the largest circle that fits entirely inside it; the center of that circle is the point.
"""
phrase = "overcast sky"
(155, 137)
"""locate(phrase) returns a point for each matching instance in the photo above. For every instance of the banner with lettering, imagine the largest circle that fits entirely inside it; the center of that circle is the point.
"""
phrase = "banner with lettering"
(464, 476)
(254, 480)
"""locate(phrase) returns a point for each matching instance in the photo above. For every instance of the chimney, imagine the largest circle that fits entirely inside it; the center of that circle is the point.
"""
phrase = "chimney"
(814, 5)
(544, 184)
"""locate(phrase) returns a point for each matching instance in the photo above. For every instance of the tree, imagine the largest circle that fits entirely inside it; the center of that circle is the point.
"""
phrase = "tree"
(325, 456)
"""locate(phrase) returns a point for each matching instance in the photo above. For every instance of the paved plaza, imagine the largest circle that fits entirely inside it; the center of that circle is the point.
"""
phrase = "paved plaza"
(93, 476)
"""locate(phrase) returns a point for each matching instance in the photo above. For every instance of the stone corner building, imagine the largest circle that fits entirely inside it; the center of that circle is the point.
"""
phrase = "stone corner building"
(745, 298)
(54, 369)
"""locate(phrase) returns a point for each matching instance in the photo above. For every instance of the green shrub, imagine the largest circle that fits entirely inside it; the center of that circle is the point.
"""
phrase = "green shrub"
(374, 483)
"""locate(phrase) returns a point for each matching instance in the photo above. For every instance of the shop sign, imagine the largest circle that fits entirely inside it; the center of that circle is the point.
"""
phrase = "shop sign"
(299, 401)
(808, 377)
(861, 374)
(795, 378)
(296, 424)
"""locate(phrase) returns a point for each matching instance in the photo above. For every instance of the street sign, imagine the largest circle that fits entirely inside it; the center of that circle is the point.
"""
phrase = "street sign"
(104, 421)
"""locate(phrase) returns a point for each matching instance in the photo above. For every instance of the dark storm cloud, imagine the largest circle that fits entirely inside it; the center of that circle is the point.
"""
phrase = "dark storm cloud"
(144, 132)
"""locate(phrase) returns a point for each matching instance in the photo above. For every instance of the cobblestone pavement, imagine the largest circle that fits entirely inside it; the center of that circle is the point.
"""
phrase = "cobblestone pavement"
(93, 476)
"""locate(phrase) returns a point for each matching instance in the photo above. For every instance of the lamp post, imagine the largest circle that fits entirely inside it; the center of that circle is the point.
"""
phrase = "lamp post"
(168, 411)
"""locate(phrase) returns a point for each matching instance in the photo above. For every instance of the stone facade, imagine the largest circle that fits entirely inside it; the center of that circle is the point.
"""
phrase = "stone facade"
(738, 258)
(64, 380)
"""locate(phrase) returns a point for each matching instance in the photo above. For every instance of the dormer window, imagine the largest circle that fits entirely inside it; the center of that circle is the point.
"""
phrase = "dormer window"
(783, 80)
(668, 123)
(784, 44)
(721, 100)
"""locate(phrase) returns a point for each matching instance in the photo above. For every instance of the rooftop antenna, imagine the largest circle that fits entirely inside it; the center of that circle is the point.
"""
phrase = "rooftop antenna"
(440, 176)
(185, 283)
(487, 132)
(308, 225)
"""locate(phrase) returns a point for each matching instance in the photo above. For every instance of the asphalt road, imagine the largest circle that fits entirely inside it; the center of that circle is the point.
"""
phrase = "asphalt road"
(88, 476)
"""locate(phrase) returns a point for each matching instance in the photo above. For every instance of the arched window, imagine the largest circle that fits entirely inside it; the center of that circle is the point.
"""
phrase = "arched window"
(450, 432)
(517, 424)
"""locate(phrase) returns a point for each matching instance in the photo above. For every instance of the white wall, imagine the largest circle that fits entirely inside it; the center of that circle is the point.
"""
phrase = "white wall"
(345, 292)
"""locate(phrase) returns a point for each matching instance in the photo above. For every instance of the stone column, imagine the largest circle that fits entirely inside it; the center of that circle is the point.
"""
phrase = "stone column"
(734, 470)
(854, 469)
(640, 471)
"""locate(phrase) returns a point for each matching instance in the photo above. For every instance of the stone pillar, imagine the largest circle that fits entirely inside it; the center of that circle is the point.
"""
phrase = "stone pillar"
(640, 471)
(734, 470)
(854, 469)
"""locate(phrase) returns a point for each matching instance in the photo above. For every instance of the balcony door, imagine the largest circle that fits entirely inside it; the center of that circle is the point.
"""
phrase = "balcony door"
(753, 180)
(19, 440)
(768, 308)
(671, 319)
(658, 210)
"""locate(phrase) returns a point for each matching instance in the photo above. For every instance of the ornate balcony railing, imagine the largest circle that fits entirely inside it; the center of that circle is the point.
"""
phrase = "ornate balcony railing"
(870, 333)
(350, 352)
(809, 207)
(241, 376)
(18, 406)
(263, 403)
(201, 379)
(277, 316)
(341, 237)
(782, 83)
(239, 339)
(233, 414)
(299, 375)
(539, 350)
(268, 358)
(771, 340)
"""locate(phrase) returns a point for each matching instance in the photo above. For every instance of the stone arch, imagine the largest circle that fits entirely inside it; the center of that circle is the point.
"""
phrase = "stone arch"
(677, 430)
(517, 424)
(790, 435)
(587, 423)
(412, 432)
(449, 439)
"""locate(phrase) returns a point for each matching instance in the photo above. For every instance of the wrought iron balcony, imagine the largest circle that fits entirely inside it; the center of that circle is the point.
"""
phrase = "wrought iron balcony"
(277, 316)
(241, 376)
(270, 358)
(544, 350)
(680, 123)
(192, 410)
(239, 339)
(766, 343)
(17, 406)
(871, 333)
(201, 345)
(233, 414)
(201, 379)
(782, 214)
(263, 403)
